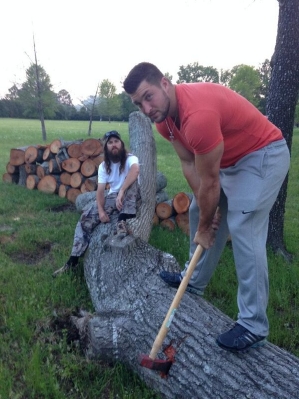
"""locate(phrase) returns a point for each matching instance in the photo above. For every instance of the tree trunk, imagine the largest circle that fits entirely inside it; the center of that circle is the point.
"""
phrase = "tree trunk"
(281, 102)
(131, 302)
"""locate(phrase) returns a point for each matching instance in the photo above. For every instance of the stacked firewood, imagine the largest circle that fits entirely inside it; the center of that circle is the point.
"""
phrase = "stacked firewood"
(174, 212)
(69, 168)
(66, 168)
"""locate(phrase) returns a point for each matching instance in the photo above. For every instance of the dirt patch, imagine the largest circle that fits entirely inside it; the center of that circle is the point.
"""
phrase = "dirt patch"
(63, 208)
(32, 258)
(7, 239)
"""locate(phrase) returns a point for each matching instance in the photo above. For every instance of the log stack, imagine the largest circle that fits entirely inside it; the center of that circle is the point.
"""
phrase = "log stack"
(174, 212)
(66, 168)
(69, 168)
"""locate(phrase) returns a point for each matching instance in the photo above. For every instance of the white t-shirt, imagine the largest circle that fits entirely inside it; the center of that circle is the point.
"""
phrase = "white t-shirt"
(115, 179)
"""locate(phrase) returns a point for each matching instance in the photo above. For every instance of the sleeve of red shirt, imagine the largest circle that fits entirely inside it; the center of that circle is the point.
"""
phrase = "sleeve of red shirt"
(203, 132)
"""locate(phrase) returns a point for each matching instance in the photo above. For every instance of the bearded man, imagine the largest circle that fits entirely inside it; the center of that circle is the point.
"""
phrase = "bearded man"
(119, 172)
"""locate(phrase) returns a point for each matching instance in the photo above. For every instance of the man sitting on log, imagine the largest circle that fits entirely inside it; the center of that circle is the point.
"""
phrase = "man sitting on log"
(120, 170)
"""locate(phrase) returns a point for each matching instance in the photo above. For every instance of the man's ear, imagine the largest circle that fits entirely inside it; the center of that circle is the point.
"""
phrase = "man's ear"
(165, 83)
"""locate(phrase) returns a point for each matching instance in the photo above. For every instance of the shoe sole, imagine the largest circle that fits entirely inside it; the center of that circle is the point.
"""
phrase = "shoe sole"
(256, 345)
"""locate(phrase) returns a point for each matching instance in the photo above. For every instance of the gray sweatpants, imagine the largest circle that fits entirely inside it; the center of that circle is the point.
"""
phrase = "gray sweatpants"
(248, 192)
(90, 216)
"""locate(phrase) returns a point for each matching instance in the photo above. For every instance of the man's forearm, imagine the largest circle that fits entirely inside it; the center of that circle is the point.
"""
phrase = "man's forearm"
(207, 200)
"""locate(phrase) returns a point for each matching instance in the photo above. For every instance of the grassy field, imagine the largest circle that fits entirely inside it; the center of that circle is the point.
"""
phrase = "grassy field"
(38, 358)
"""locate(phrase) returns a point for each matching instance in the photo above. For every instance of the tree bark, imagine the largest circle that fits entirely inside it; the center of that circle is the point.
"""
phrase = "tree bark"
(281, 103)
(131, 301)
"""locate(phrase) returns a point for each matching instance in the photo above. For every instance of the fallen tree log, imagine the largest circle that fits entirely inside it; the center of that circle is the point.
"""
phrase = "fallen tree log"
(131, 301)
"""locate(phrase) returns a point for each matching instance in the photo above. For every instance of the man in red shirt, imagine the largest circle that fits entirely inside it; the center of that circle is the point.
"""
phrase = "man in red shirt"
(234, 158)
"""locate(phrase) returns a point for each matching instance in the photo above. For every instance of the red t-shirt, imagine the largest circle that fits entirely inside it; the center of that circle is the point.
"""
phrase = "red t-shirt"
(211, 113)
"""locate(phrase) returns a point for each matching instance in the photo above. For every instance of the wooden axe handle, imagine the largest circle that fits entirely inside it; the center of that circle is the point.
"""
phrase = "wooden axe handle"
(175, 303)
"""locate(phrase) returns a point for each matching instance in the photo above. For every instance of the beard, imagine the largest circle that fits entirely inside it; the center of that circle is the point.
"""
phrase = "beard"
(115, 156)
(162, 113)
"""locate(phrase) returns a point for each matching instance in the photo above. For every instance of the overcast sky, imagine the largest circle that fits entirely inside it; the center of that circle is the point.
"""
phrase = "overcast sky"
(80, 43)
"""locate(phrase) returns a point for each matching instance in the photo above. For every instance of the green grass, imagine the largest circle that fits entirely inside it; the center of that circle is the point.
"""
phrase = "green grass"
(37, 357)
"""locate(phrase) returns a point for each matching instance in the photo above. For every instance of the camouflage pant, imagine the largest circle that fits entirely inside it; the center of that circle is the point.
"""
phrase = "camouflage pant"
(90, 216)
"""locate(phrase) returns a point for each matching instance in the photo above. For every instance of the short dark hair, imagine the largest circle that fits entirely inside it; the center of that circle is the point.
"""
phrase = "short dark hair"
(143, 71)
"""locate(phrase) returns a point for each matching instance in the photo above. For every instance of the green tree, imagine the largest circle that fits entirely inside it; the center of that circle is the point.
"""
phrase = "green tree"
(246, 81)
(37, 89)
(265, 76)
(10, 104)
(126, 106)
(197, 73)
(225, 76)
(65, 108)
(110, 105)
(168, 76)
